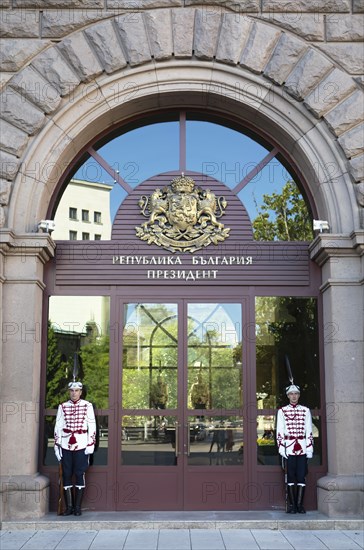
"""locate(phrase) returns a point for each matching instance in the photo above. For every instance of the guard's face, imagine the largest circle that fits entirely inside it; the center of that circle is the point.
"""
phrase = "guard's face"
(75, 394)
(293, 397)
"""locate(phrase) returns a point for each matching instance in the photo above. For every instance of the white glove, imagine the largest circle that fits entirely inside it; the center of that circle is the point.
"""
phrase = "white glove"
(58, 452)
(89, 450)
(309, 455)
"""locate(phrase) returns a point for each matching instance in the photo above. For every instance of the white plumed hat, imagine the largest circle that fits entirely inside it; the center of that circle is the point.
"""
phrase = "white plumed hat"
(292, 388)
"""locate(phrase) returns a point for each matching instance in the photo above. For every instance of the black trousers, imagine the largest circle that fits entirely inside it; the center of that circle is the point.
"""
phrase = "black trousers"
(74, 463)
(296, 469)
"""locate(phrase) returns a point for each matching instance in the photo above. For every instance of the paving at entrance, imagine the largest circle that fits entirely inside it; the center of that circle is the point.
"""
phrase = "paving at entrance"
(184, 531)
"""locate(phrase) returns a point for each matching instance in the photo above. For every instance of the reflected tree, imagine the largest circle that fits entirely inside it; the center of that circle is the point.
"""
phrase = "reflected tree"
(283, 217)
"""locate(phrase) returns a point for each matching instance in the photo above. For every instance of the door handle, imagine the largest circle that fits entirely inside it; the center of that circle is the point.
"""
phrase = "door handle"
(176, 426)
(188, 438)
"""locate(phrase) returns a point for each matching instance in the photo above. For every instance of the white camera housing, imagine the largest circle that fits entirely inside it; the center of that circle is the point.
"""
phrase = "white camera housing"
(321, 226)
(47, 226)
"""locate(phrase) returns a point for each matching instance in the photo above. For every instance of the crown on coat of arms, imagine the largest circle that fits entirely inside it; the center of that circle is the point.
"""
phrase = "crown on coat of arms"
(182, 184)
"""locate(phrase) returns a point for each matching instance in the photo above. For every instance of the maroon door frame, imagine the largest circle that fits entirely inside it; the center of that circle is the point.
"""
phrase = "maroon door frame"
(181, 486)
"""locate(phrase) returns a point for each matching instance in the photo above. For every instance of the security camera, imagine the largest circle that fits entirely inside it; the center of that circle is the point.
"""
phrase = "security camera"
(47, 226)
(321, 226)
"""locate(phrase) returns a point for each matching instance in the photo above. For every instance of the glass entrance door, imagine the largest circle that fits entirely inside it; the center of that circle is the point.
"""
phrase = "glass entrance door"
(181, 430)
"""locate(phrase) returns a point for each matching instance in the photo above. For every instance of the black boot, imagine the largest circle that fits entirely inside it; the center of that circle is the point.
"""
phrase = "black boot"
(69, 501)
(291, 490)
(300, 495)
(78, 501)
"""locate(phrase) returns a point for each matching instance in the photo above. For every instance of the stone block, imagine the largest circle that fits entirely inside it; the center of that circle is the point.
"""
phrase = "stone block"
(30, 84)
(2, 218)
(54, 68)
(206, 34)
(5, 189)
(306, 75)
(309, 26)
(60, 23)
(12, 139)
(14, 53)
(9, 165)
(352, 141)
(44, 4)
(358, 6)
(215, 6)
(23, 497)
(302, 6)
(346, 372)
(19, 23)
(134, 38)
(103, 39)
(234, 32)
(258, 49)
(359, 192)
(340, 496)
(79, 55)
(159, 27)
(346, 114)
(332, 89)
(17, 110)
(182, 32)
(4, 79)
(345, 28)
(350, 56)
(144, 4)
(285, 56)
(357, 169)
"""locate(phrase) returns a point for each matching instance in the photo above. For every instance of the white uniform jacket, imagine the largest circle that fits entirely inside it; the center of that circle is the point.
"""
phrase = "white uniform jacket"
(294, 431)
(75, 427)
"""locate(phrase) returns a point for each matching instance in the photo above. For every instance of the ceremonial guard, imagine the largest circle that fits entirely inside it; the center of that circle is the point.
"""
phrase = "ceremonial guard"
(74, 438)
(295, 445)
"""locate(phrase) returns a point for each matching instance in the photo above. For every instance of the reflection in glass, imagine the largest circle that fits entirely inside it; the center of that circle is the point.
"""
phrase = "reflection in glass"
(214, 356)
(148, 441)
(317, 441)
(267, 452)
(78, 338)
(150, 356)
(49, 458)
(99, 458)
(286, 326)
(215, 441)
(84, 208)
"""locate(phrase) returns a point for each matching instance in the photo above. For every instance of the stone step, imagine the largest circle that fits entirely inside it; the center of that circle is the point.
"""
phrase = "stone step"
(91, 520)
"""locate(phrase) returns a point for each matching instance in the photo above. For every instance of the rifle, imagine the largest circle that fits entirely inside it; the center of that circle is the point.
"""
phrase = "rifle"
(60, 506)
(284, 467)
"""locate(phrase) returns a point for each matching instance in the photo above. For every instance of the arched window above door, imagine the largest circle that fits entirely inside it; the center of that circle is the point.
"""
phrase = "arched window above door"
(255, 169)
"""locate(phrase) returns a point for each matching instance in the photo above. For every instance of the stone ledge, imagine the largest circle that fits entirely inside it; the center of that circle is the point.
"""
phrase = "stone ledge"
(184, 520)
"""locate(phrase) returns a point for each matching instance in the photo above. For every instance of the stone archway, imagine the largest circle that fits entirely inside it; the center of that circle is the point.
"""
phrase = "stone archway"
(125, 66)
(142, 54)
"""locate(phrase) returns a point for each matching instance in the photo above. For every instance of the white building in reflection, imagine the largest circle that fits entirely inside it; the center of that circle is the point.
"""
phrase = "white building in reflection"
(82, 214)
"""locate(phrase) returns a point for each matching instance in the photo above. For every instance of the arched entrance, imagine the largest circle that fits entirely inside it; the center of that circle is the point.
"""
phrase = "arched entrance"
(163, 81)
(192, 384)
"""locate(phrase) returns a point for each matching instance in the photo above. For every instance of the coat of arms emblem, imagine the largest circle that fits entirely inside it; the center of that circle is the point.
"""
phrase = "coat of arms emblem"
(182, 217)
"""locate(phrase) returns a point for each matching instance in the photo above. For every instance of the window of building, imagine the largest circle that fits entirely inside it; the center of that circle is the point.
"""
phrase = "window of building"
(85, 216)
(97, 237)
(256, 170)
(85, 236)
(72, 213)
(73, 235)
